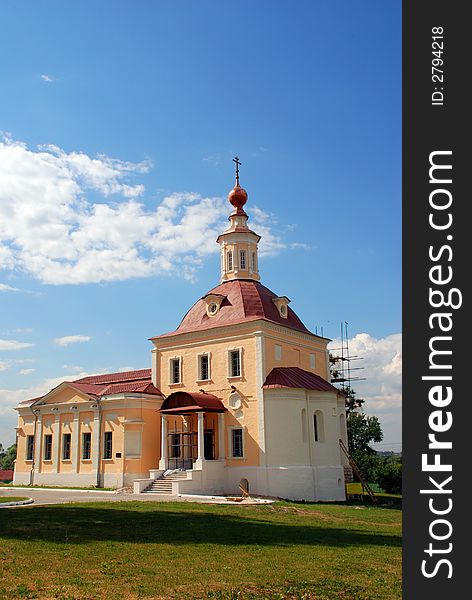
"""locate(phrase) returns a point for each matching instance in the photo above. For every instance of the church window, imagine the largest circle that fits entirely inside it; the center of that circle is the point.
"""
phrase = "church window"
(283, 310)
(213, 308)
(237, 449)
(48, 446)
(86, 446)
(203, 367)
(254, 261)
(29, 447)
(318, 430)
(242, 259)
(312, 361)
(175, 370)
(235, 363)
(230, 260)
(108, 444)
(66, 446)
(278, 352)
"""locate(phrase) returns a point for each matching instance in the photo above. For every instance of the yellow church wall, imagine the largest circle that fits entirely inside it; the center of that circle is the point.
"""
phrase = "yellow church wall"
(295, 353)
(220, 383)
(25, 428)
(67, 395)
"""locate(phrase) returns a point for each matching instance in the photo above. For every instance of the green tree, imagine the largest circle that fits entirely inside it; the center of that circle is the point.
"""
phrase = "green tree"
(388, 475)
(362, 430)
(7, 459)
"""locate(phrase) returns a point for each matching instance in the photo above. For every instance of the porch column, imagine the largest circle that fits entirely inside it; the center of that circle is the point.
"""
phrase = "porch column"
(163, 460)
(221, 436)
(201, 446)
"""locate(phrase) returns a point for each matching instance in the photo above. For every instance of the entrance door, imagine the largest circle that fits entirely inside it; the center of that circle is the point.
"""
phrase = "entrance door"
(208, 444)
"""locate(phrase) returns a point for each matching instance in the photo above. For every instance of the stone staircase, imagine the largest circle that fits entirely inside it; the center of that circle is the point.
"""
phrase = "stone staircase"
(163, 484)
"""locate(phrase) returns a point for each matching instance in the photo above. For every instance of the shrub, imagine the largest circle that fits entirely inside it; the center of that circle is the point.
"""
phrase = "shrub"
(388, 475)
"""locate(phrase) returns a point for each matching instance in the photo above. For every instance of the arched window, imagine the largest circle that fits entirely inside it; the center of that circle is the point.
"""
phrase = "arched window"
(304, 425)
(318, 426)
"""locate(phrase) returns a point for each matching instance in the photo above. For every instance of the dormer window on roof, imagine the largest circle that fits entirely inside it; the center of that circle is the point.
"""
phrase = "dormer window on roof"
(213, 303)
(282, 305)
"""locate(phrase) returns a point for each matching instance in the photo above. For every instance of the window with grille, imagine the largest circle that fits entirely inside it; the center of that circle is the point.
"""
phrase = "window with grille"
(230, 260)
(254, 261)
(204, 367)
(86, 446)
(66, 446)
(235, 363)
(175, 370)
(29, 447)
(108, 444)
(242, 259)
(237, 450)
(47, 446)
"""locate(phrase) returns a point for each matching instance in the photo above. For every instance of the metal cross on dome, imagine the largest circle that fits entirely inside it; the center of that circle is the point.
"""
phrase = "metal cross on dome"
(236, 160)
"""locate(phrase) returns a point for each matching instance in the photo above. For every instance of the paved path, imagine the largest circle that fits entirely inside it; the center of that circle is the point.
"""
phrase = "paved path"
(61, 497)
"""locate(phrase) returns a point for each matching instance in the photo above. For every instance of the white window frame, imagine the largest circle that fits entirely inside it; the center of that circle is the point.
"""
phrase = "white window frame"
(230, 442)
(229, 260)
(230, 374)
(47, 435)
(89, 457)
(64, 446)
(199, 367)
(171, 370)
(242, 260)
(105, 434)
(27, 448)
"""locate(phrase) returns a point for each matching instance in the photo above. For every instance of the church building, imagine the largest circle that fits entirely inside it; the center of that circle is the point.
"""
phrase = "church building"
(238, 396)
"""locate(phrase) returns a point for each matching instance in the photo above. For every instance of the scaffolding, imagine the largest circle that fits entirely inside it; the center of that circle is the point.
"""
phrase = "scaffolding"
(341, 362)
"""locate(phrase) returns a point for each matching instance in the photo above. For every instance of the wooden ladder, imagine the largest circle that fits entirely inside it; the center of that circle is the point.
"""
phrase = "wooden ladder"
(355, 468)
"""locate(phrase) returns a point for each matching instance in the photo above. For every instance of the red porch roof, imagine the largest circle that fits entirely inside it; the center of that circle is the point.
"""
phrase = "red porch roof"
(185, 402)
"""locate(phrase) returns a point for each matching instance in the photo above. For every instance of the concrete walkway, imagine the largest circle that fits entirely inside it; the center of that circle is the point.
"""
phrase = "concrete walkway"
(46, 496)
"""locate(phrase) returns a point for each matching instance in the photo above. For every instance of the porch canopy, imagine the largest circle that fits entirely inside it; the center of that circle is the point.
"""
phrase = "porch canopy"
(179, 403)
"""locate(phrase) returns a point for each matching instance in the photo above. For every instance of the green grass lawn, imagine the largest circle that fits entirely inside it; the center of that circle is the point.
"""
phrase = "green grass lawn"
(184, 550)
(12, 498)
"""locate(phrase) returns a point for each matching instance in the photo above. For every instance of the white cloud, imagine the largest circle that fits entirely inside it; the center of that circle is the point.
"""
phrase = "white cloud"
(13, 345)
(382, 389)
(90, 226)
(10, 398)
(67, 340)
(47, 78)
(26, 371)
(8, 288)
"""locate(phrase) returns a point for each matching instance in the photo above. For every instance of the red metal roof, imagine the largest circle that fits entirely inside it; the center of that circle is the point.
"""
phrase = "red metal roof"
(183, 402)
(244, 300)
(115, 377)
(294, 377)
(112, 383)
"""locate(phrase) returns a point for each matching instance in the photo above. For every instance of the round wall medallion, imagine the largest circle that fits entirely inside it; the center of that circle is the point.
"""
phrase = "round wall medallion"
(235, 401)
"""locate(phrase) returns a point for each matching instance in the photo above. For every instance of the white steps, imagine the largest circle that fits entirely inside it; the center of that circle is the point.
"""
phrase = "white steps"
(163, 485)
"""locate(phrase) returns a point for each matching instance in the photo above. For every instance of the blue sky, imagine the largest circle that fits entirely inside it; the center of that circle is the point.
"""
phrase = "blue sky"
(151, 100)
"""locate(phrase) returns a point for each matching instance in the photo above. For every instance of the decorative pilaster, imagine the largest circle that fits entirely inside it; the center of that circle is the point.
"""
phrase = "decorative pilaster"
(75, 442)
(37, 444)
(56, 444)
